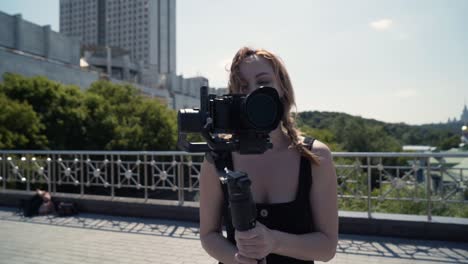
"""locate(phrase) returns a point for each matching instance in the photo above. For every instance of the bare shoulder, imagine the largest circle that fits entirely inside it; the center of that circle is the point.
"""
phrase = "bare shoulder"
(321, 149)
(324, 174)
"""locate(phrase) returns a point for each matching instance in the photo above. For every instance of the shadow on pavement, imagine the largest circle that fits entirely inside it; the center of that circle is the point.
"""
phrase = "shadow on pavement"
(411, 250)
(132, 225)
(385, 247)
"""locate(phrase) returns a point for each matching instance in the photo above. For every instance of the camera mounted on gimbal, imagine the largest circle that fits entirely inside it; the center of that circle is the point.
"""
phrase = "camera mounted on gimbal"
(248, 119)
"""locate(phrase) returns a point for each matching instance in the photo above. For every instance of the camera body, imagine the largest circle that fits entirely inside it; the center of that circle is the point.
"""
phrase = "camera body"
(247, 118)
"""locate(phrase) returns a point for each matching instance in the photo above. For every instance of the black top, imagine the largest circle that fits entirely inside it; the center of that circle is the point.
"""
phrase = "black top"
(291, 217)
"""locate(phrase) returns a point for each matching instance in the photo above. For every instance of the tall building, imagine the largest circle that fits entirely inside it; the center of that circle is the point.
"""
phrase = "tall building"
(146, 28)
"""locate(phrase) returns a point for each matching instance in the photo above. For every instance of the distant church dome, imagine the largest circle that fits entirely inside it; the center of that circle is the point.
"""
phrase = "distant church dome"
(464, 116)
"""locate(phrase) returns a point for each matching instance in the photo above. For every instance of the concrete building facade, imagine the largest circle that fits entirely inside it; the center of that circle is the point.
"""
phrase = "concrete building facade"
(146, 28)
(31, 50)
(19, 34)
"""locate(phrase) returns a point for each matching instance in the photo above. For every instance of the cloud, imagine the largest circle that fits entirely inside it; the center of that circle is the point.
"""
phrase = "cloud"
(407, 93)
(382, 24)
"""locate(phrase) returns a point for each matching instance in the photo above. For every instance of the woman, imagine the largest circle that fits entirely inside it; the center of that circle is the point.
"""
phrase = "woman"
(39, 204)
(294, 184)
(47, 205)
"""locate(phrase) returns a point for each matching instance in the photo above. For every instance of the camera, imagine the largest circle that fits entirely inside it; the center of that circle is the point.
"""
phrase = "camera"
(247, 118)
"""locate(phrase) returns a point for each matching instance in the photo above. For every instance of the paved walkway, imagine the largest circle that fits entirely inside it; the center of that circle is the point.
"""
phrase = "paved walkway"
(92, 238)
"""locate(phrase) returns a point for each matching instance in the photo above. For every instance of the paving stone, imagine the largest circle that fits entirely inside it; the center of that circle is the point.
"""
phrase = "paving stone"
(101, 239)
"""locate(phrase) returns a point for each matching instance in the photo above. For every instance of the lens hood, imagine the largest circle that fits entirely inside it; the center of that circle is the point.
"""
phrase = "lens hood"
(263, 109)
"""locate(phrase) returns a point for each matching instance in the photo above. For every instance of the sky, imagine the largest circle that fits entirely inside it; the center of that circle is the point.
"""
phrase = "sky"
(394, 61)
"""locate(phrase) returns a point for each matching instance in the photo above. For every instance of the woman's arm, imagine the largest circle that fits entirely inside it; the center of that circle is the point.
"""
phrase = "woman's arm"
(319, 245)
(211, 202)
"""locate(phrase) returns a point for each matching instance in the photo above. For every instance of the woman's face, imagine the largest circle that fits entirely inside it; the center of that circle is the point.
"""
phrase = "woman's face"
(256, 71)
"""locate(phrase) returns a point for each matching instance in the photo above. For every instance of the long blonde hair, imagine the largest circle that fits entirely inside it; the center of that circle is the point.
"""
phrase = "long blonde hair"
(288, 124)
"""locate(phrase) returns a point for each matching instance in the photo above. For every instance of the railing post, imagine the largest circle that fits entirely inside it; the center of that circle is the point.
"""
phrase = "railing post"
(112, 176)
(180, 169)
(81, 175)
(4, 177)
(369, 187)
(54, 177)
(26, 171)
(145, 175)
(437, 184)
(428, 189)
(380, 177)
(49, 176)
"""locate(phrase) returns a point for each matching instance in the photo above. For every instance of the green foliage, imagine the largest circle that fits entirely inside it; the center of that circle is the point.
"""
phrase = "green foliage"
(351, 204)
(352, 182)
(439, 207)
(356, 136)
(100, 123)
(417, 205)
(403, 207)
(324, 135)
(349, 133)
(131, 121)
(122, 103)
(59, 107)
(106, 116)
(159, 126)
(368, 135)
(449, 142)
(20, 127)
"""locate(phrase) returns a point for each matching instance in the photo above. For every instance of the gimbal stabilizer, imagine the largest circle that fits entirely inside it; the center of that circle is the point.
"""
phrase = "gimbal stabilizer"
(242, 206)
(243, 210)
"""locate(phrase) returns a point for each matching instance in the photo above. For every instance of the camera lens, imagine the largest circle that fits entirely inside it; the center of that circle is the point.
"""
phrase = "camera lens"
(262, 108)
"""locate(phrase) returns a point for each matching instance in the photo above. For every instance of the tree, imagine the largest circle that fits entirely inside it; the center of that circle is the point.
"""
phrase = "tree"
(100, 123)
(449, 142)
(20, 127)
(158, 126)
(133, 122)
(356, 136)
(106, 116)
(324, 135)
(395, 134)
(59, 107)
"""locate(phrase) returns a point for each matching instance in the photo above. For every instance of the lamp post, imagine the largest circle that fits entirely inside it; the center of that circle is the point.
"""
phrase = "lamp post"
(464, 137)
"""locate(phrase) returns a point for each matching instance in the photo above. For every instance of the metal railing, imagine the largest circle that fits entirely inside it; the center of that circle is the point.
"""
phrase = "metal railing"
(367, 179)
